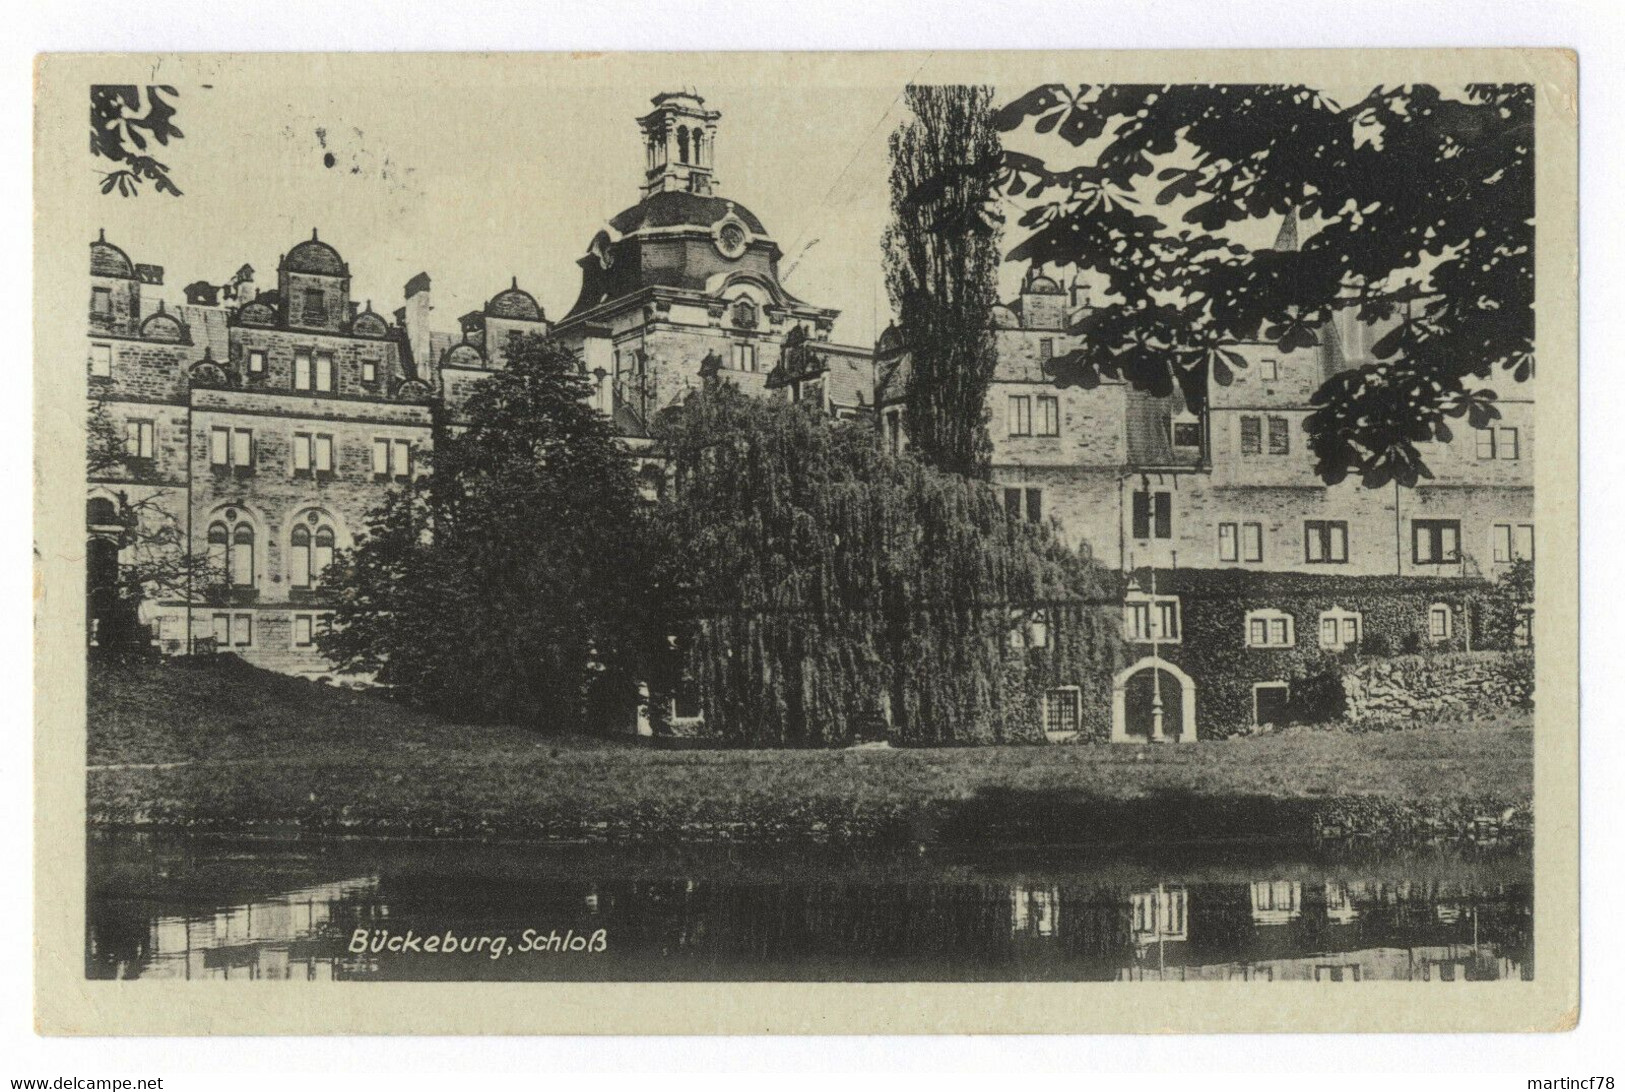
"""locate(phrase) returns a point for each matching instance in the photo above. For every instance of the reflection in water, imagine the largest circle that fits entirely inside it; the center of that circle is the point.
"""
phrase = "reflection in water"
(198, 910)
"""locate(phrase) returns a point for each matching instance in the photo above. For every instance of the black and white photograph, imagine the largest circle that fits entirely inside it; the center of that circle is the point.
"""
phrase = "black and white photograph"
(671, 519)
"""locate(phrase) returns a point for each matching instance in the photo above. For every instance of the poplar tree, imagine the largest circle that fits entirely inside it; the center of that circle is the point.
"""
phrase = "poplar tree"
(942, 259)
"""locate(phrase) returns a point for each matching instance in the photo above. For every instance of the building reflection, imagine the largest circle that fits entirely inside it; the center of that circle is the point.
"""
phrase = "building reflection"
(285, 937)
(1273, 928)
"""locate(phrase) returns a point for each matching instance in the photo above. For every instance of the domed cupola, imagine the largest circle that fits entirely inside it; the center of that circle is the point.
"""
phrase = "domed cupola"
(515, 303)
(107, 260)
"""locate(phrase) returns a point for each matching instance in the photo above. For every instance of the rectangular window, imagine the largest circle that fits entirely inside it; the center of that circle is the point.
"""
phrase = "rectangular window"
(1486, 442)
(302, 453)
(303, 631)
(1168, 620)
(1252, 542)
(1153, 514)
(1035, 506)
(138, 439)
(402, 464)
(1049, 415)
(242, 448)
(101, 361)
(221, 630)
(1012, 504)
(380, 458)
(1020, 417)
(315, 310)
(744, 356)
(1269, 629)
(324, 372)
(312, 452)
(369, 371)
(301, 371)
(1137, 621)
(1252, 442)
(1435, 541)
(1506, 443)
(324, 454)
(1187, 434)
(1046, 348)
(894, 430)
(233, 447)
(1241, 542)
(101, 301)
(1325, 541)
(1269, 369)
(256, 361)
(1062, 709)
(1438, 621)
(1280, 442)
(1513, 542)
(242, 630)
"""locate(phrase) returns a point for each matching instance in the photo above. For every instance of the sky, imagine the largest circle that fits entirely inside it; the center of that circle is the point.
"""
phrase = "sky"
(477, 180)
(482, 170)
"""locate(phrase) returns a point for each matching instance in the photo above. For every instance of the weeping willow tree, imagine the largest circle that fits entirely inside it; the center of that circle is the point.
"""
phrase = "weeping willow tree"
(823, 590)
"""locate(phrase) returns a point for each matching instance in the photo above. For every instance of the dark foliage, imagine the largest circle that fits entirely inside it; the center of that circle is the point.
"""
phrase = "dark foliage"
(121, 127)
(825, 591)
(508, 585)
(1425, 212)
(942, 258)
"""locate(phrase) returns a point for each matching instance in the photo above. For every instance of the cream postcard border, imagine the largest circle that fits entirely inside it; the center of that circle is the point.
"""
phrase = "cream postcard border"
(66, 1003)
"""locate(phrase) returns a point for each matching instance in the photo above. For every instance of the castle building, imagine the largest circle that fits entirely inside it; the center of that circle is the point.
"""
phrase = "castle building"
(1240, 565)
(261, 428)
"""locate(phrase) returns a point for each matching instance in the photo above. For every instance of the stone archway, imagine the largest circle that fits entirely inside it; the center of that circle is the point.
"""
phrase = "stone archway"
(1179, 710)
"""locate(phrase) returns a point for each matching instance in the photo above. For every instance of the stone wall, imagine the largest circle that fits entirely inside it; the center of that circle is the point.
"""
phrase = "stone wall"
(1450, 684)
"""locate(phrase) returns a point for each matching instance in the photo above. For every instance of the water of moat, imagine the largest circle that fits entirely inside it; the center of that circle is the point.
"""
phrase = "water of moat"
(209, 908)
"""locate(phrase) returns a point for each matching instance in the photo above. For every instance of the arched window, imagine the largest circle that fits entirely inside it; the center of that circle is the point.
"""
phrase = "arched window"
(698, 162)
(231, 550)
(682, 144)
(311, 552)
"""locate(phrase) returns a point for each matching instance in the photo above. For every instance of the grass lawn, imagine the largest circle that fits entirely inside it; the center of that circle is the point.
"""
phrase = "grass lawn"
(223, 746)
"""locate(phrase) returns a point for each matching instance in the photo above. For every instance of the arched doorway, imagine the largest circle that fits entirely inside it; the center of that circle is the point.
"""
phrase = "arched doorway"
(1135, 696)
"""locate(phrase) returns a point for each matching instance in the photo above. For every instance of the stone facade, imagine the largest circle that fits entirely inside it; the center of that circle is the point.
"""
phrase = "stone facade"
(264, 427)
(1144, 485)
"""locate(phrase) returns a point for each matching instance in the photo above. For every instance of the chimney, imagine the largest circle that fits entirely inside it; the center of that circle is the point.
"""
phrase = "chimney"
(416, 323)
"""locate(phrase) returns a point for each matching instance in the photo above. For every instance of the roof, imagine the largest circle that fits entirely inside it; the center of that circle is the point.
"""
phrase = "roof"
(676, 208)
(314, 256)
(107, 260)
(515, 303)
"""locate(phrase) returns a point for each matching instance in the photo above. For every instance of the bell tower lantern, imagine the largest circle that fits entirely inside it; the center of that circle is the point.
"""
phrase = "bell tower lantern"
(679, 138)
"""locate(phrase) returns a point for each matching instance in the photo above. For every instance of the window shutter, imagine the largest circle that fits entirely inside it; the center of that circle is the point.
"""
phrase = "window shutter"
(1279, 438)
(1142, 515)
(1165, 515)
(1251, 443)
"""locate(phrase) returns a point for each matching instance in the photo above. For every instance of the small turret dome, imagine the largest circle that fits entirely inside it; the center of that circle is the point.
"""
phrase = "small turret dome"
(107, 260)
(515, 303)
(314, 256)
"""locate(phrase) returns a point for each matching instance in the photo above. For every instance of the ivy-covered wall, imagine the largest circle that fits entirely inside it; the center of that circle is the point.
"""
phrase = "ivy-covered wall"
(1213, 648)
